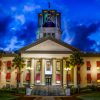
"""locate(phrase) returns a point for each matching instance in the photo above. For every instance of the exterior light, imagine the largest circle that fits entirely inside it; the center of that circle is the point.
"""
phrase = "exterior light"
(29, 68)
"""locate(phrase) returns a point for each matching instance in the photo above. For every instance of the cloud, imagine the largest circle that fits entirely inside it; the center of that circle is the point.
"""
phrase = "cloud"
(67, 36)
(14, 44)
(31, 7)
(81, 39)
(27, 32)
(4, 23)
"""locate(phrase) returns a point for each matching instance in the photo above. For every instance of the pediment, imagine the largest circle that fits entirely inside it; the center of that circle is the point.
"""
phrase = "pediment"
(48, 44)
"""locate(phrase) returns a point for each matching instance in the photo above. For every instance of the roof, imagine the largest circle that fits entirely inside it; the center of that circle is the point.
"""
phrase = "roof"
(90, 54)
(48, 38)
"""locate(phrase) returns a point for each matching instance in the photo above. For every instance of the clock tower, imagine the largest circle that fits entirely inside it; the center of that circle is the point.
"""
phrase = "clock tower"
(49, 24)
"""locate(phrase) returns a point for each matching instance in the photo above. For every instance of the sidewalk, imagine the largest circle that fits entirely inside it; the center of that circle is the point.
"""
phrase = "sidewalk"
(48, 98)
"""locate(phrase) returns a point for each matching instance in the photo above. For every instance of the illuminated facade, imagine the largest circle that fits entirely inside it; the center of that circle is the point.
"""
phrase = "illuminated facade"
(44, 59)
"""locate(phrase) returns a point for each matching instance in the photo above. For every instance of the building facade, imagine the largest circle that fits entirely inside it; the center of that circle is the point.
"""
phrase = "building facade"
(45, 61)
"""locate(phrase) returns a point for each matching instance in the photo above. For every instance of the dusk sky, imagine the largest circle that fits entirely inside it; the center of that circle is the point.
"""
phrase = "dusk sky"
(80, 22)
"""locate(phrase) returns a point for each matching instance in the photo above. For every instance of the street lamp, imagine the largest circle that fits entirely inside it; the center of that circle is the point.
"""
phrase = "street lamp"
(67, 69)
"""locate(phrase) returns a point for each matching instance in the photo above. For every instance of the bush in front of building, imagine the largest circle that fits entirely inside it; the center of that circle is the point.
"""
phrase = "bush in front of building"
(12, 91)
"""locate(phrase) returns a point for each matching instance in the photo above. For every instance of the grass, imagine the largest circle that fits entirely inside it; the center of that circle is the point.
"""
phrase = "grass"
(8, 94)
(91, 96)
(8, 97)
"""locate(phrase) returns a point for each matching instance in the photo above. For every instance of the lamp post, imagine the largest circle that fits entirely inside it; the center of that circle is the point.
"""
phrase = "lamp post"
(67, 85)
(67, 69)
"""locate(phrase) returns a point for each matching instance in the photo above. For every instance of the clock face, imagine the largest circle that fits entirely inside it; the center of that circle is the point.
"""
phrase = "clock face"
(49, 18)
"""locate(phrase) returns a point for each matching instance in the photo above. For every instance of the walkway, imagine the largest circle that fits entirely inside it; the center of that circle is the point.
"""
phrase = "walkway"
(48, 98)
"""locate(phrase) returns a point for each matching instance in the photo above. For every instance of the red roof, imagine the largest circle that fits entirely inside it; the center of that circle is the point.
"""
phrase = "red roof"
(38, 76)
(8, 75)
(28, 77)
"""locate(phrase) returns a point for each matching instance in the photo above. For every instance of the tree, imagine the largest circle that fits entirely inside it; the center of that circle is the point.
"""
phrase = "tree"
(18, 63)
(76, 60)
(1, 55)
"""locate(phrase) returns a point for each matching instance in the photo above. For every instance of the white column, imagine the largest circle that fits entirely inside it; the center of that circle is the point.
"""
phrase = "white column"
(75, 76)
(43, 72)
(32, 71)
(54, 72)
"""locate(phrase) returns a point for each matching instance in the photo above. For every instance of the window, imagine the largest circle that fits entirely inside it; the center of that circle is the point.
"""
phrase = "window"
(8, 77)
(88, 64)
(98, 65)
(48, 66)
(9, 64)
(58, 65)
(58, 78)
(98, 77)
(53, 35)
(89, 78)
(28, 63)
(44, 35)
(37, 78)
(38, 64)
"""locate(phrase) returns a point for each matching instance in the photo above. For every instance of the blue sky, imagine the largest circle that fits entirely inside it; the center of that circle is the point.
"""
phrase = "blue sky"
(80, 22)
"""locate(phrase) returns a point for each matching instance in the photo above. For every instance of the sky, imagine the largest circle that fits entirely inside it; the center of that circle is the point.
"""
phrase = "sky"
(80, 20)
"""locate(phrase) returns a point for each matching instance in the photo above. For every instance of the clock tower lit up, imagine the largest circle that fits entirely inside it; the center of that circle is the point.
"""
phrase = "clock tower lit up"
(49, 24)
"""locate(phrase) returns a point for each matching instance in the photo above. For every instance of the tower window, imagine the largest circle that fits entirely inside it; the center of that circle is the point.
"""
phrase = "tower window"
(44, 35)
(53, 35)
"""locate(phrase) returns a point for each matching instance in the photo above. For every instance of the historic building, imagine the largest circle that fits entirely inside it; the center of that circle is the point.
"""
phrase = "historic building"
(44, 59)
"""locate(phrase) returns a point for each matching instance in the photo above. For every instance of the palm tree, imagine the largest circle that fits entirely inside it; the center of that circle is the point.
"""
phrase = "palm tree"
(18, 63)
(76, 61)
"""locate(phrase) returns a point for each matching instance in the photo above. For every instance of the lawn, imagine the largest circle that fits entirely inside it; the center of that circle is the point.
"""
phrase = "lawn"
(91, 96)
(8, 97)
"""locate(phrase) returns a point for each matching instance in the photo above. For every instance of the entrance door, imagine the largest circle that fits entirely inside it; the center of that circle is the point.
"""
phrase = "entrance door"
(48, 79)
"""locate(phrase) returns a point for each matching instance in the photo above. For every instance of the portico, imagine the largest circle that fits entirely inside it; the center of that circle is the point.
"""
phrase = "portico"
(46, 71)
